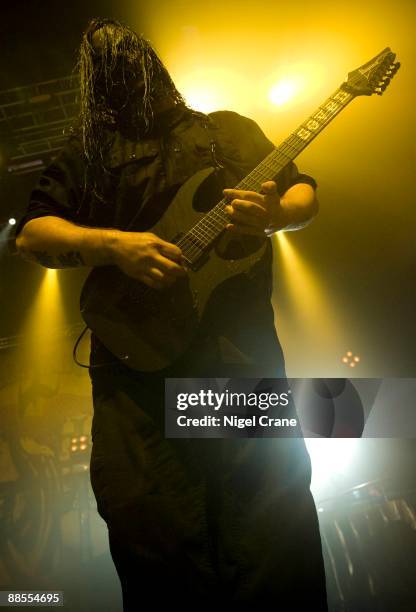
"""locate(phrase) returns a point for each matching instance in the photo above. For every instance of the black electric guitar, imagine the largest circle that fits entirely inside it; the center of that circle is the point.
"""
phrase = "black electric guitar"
(149, 329)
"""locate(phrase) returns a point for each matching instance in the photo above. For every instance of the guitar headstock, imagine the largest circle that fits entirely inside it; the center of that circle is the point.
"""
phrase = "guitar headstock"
(374, 76)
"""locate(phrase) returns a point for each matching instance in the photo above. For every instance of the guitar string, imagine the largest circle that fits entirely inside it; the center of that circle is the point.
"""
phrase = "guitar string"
(218, 210)
(212, 224)
(200, 231)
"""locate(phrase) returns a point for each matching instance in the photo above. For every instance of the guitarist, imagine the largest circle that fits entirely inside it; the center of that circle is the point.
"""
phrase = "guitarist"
(190, 521)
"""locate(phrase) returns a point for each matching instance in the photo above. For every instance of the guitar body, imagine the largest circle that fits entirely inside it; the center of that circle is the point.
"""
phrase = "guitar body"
(147, 328)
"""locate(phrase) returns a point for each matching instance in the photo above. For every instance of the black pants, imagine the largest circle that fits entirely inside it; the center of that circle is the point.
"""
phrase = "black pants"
(202, 521)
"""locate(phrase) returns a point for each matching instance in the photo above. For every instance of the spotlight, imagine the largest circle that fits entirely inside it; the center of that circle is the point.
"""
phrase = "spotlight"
(79, 444)
(12, 221)
(283, 92)
(332, 461)
(350, 359)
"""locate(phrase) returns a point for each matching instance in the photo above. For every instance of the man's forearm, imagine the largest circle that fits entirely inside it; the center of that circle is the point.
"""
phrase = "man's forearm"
(56, 243)
(299, 205)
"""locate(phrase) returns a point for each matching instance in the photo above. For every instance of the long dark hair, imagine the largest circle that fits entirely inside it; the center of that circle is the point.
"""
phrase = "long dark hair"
(123, 52)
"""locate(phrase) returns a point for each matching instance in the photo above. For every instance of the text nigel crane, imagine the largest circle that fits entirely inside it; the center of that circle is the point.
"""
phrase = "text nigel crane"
(234, 421)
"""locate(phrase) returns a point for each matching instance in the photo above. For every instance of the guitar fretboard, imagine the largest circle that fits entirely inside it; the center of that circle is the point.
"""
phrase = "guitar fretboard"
(202, 235)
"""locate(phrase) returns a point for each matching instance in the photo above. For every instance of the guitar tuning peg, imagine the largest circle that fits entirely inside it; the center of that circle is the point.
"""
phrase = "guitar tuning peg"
(396, 66)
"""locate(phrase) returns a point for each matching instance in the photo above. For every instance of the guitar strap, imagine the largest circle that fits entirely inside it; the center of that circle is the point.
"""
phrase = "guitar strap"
(211, 126)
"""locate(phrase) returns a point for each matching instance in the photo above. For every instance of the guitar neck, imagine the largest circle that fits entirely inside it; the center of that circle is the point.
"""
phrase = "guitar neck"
(207, 230)
(298, 140)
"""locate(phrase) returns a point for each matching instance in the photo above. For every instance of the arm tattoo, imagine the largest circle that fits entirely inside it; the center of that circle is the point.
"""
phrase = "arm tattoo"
(72, 259)
(43, 258)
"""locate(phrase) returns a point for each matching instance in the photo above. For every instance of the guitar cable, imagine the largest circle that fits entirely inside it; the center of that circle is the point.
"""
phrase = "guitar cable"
(75, 348)
(86, 365)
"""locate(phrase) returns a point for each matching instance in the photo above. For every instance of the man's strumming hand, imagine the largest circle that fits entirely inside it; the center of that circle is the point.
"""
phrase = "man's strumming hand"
(148, 258)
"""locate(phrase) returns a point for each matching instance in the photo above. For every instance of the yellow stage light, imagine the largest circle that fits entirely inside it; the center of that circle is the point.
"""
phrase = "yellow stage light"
(202, 100)
(42, 346)
(212, 89)
(290, 85)
(350, 359)
(282, 92)
(303, 307)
